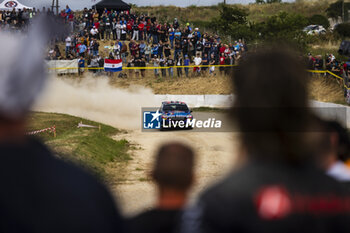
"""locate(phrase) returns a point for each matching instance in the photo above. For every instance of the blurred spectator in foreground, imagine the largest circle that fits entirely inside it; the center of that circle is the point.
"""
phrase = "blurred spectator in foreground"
(173, 175)
(335, 151)
(39, 192)
(277, 187)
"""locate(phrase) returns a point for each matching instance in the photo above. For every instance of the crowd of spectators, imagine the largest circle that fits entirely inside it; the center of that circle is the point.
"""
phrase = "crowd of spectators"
(141, 40)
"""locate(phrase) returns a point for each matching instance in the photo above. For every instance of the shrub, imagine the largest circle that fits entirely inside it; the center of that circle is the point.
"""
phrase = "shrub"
(319, 20)
(343, 30)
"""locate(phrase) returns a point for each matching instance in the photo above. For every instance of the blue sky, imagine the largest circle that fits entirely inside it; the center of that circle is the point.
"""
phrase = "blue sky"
(80, 4)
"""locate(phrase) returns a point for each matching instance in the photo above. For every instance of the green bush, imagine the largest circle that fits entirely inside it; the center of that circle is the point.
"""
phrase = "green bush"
(319, 20)
(343, 30)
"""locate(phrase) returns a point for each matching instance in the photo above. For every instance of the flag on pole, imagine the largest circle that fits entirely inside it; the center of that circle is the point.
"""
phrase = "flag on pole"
(113, 65)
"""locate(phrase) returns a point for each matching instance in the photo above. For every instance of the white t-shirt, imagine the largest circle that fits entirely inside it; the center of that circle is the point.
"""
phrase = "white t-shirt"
(197, 61)
(94, 31)
(123, 29)
(68, 41)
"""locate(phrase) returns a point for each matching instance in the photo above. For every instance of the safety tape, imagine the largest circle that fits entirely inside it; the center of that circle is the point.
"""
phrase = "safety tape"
(51, 129)
(139, 68)
(330, 73)
(202, 66)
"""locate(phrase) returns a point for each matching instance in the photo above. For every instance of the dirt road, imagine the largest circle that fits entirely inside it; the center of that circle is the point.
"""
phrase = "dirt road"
(96, 99)
(215, 155)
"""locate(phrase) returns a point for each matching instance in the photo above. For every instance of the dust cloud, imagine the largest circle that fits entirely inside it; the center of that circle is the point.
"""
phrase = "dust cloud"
(95, 99)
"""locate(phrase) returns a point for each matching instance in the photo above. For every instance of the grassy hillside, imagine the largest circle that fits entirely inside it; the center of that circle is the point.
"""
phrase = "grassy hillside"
(88, 147)
(201, 14)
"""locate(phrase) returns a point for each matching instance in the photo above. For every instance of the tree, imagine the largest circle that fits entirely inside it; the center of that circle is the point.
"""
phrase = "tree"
(319, 20)
(259, 1)
(338, 9)
(229, 16)
(285, 27)
(273, 1)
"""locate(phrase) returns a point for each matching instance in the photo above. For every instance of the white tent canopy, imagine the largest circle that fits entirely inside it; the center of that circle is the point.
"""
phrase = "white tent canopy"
(8, 5)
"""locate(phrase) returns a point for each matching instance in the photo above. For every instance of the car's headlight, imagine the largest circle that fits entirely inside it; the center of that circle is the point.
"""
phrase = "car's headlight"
(189, 116)
(164, 117)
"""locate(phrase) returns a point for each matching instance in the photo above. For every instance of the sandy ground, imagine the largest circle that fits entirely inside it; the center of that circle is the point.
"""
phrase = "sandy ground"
(214, 157)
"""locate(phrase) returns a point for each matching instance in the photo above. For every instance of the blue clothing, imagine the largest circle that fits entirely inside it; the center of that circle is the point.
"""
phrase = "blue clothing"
(82, 48)
(81, 63)
(171, 35)
(187, 62)
(177, 35)
(142, 48)
(155, 50)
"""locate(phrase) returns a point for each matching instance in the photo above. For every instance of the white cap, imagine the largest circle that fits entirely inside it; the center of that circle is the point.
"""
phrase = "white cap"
(22, 69)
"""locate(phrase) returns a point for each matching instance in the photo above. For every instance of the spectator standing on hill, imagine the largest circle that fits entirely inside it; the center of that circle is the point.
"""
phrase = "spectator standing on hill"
(319, 63)
(68, 45)
(311, 62)
(197, 62)
(179, 63)
(173, 174)
(167, 51)
(160, 49)
(95, 47)
(94, 32)
(186, 63)
(156, 63)
(82, 49)
(212, 63)
(154, 50)
(81, 64)
(143, 64)
(199, 47)
(115, 26)
(102, 29)
(171, 36)
(162, 64)
(108, 29)
(170, 64)
(185, 47)
(142, 48)
(148, 50)
(135, 34)
(178, 48)
(131, 64)
(123, 32)
(176, 24)
(205, 63)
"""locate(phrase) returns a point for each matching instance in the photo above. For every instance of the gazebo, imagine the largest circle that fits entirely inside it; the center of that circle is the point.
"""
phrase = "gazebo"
(117, 5)
(10, 5)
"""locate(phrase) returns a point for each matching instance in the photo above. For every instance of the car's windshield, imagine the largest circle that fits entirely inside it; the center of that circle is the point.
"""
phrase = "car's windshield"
(175, 107)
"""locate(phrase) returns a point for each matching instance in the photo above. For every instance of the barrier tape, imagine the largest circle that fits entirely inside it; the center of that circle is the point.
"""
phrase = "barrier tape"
(51, 129)
(330, 73)
(202, 66)
(139, 68)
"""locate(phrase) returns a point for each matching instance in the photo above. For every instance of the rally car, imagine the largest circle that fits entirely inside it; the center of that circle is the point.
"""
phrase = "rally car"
(175, 114)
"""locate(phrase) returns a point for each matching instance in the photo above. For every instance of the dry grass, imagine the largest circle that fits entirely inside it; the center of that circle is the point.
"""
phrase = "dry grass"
(257, 13)
(304, 7)
(326, 90)
(191, 86)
